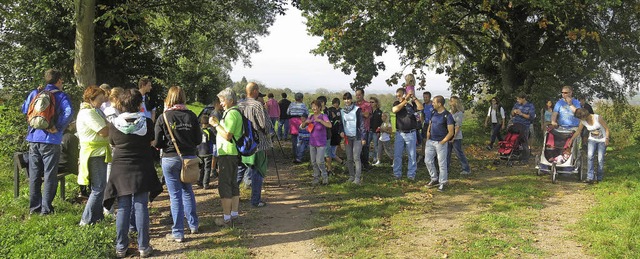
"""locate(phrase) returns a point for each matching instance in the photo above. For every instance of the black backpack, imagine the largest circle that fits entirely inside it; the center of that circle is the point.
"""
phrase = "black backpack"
(446, 116)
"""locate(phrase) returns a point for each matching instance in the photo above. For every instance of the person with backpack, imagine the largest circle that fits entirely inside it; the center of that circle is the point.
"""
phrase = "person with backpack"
(256, 113)
(205, 152)
(523, 112)
(49, 112)
(179, 123)
(405, 107)
(496, 114)
(228, 130)
(440, 131)
(457, 108)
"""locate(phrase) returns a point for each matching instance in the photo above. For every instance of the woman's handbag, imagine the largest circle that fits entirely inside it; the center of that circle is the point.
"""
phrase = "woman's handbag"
(190, 172)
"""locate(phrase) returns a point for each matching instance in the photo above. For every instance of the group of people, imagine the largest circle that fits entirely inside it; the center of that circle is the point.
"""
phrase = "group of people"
(118, 136)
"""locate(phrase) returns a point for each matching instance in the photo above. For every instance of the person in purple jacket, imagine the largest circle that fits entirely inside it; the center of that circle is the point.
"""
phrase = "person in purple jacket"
(44, 146)
(318, 140)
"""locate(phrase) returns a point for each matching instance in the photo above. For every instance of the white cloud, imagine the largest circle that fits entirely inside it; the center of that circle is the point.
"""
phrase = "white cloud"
(285, 62)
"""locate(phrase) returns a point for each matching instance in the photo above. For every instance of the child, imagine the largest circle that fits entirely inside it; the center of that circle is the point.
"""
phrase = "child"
(205, 152)
(385, 138)
(303, 141)
(410, 84)
(317, 124)
(335, 118)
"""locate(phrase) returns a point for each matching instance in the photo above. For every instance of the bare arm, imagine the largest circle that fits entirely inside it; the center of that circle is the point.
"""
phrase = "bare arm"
(397, 108)
(606, 130)
(104, 132)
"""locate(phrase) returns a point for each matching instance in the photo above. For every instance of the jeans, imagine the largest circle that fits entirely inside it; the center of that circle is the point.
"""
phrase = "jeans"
(495, 133)
(256, 186)
(353, 149)
(43, 162)
(283, 128)
(98, 179)
(457, 147)
(317, 161)
(385, 146)
(405, 141)
(364, 155)
(600, 148)
(183, 201)
(373, 137)
(302, 145)
(139, 203)
(205, 171)
(432, 150)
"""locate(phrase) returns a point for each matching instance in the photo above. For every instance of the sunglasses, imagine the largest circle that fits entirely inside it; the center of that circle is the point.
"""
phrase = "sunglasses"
(566, 92)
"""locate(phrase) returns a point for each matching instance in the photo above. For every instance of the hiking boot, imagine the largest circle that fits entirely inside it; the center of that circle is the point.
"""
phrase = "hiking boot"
(171, 237)
(432, 183)
(220, 222)
(146, 253)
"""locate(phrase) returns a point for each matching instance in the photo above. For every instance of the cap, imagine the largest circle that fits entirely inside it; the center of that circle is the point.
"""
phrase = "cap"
(261, 94)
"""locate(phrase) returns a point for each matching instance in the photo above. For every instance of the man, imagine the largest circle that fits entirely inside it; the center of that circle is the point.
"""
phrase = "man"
(283, 122)
(257, 114)
(439, 132)
(366, 110)
(563, 110)
(296, 112)
(405, 108)
(523, 113)
(147, 107)
(44, 146)
(426, 117)
(374, 129)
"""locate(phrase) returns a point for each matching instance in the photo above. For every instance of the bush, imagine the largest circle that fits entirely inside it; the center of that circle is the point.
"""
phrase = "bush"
(623, 122)
(12, 131)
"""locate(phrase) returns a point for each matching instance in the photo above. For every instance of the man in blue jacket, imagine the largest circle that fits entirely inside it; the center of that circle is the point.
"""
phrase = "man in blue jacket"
(44, 146)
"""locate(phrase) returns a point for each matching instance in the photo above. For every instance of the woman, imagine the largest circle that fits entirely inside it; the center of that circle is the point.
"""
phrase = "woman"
(546, 111)
(133, 181)
(317, 140)
(457, 111)
(496, 114)
(186, 130)
(228, 128)
(598, 141)
(353, 133)
(94, 152)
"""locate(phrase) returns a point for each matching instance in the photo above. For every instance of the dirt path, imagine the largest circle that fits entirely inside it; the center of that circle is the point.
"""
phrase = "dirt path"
(285, 228)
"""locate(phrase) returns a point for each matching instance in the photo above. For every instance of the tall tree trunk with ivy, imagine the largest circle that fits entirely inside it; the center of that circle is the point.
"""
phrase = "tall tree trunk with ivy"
(84, 67)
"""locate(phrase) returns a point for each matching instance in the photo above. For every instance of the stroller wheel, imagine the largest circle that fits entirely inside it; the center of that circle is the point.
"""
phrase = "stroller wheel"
(554, 173)
(538, 171)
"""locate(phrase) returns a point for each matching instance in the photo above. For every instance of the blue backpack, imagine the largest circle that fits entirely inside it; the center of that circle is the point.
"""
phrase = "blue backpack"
(247, 144)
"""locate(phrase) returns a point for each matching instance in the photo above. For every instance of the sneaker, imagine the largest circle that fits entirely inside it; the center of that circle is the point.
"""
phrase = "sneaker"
(121, 254)
(220, 222)
(194, 231)
(351, 178)
(442, 188)
(146, 253)
(173, 238)
(260, 204)
(432, 183)
(325, 180)
(377, 163)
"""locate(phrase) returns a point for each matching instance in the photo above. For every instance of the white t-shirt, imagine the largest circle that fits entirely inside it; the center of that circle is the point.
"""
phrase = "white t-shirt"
(596, 131)
(492, 113)
(384, 136)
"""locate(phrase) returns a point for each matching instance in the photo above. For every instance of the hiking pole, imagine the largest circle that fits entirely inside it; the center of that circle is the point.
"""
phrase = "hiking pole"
(280, 145)
(276, 165)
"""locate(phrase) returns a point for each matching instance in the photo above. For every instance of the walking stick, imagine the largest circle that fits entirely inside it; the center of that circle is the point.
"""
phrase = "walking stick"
(276, 165)
(280, 145)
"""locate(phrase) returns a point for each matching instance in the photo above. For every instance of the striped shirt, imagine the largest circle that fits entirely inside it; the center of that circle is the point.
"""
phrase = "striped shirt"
(257, 114)
(298, 110)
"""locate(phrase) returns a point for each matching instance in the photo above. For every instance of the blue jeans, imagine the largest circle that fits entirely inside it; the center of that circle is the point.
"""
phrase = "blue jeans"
(457, 147)
(139, 203)
(256, 186)
(302, 145)
(183, 201)
(600, 148)
(98, 179)
(432, 150)
(373, 137)
(283, 128)
(43, 162)
(405, 141)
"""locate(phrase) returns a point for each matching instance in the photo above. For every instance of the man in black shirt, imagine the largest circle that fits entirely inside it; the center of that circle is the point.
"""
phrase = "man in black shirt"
(283, 122)
(406, 108)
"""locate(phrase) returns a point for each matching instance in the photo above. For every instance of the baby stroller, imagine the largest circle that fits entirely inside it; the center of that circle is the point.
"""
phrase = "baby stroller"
(510, 148)
(561, 155)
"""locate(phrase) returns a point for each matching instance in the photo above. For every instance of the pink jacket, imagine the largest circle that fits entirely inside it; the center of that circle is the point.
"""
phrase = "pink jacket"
(273, 108)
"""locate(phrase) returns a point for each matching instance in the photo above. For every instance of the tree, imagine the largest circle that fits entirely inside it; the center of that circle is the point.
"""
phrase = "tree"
(493, 47)
(84, 67)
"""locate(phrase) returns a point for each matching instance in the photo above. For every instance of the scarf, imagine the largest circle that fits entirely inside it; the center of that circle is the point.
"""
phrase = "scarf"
(131, 123)
(349, 108)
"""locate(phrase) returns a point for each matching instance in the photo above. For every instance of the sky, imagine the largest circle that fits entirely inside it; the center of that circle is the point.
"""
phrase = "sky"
(285, 62)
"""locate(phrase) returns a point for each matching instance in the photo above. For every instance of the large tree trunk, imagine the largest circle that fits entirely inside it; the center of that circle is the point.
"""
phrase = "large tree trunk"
(84, 67)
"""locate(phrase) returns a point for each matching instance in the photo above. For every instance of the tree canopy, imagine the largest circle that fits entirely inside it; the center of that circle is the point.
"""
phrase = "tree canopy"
(487, 47)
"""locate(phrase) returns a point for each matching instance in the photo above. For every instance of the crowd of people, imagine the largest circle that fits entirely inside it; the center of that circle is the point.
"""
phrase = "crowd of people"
(118, 136)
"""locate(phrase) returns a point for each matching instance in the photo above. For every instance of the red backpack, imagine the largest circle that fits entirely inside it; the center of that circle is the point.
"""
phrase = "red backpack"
(42, 110)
